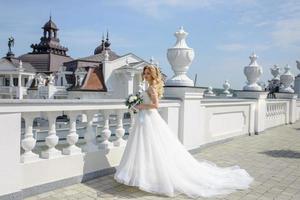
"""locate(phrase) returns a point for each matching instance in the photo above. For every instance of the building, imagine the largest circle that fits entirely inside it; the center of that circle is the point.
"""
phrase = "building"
(51, 73)
(48, 55)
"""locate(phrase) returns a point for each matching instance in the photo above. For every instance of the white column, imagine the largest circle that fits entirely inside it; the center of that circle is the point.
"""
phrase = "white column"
(260, 107)
(120, 131)
(20, 91)
(72, 137)
(129, 76)
(90, 135)
(28, 143)
(106, 133)
(19, 80)
(11, 81)
(52, 138)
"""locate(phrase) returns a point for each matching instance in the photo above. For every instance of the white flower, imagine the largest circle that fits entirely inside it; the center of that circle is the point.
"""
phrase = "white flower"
(131, 99)
(135, 97)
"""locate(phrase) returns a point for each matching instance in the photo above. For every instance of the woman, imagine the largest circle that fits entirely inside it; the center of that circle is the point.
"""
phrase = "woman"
(155, 161)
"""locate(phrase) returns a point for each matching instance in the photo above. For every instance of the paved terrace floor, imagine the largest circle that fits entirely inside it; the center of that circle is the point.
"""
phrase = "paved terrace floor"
(272, 158)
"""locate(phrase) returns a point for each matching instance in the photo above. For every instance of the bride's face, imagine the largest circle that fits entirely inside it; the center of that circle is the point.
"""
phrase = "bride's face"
(147, 75)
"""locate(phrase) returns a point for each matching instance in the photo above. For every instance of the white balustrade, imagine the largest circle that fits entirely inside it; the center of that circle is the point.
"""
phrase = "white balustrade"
(90, 135)
(52, 138)
(120, 131)
(106, 132)
(72, 137)
(276, 113)
(28, 143)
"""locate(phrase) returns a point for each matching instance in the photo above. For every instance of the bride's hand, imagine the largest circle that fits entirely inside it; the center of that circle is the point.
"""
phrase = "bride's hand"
(139, 106)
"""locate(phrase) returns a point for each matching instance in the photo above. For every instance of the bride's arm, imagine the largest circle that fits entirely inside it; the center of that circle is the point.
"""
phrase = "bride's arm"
(154, 100)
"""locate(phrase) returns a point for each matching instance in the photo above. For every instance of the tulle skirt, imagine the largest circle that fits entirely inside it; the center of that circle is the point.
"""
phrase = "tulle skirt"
(155, 161)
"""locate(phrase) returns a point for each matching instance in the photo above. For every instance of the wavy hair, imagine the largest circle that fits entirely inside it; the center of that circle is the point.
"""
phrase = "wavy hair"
(157, 79)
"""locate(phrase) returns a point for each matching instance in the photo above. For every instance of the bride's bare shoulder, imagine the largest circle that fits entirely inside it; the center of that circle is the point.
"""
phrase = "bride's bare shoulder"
(152, 90)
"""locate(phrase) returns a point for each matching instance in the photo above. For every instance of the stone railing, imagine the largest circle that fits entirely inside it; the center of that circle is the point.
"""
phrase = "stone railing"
(50, 142)
(276, 112)
(91, 137)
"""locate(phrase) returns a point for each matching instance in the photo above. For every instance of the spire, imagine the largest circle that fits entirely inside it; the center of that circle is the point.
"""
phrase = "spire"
(107, 42)
(49, 41)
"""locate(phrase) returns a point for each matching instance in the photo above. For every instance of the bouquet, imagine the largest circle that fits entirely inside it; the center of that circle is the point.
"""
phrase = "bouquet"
(133, 100)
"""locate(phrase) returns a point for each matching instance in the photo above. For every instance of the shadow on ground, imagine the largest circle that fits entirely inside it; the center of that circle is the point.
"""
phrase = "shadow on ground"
(282, 153)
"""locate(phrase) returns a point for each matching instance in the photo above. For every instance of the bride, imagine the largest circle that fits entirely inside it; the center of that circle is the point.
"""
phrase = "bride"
(155, 161)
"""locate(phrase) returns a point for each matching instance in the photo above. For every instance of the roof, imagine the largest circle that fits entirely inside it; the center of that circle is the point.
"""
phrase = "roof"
(100, 57)
(50, 25)
(45, 62)
(11, 64)
(93, 81)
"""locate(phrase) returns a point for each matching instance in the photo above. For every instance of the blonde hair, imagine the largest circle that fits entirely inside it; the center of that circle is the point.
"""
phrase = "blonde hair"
(157, 79)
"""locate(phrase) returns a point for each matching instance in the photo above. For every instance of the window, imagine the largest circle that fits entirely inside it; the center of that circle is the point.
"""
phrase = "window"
(6, 81)
(15, 81)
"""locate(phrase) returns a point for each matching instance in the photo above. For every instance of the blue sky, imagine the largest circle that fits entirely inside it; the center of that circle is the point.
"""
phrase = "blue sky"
(223, 33)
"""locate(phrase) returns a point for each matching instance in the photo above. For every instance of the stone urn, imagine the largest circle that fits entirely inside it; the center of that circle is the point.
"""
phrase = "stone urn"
(253, 71)
(209, 92)
(180, 57)
(226, 86)
(287, 78)
(275, 71)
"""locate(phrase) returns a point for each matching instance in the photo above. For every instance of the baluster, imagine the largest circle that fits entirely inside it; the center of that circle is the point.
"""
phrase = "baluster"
(120, 131)
(28, 143)
(90, 135)
(106, 133)
(72, 137)
(52, 138)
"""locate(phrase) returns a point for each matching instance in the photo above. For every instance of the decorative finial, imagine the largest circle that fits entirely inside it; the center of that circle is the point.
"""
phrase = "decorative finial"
(181, 35)
(127, 61)
(50, 16)
(253, 57)
(107, 43)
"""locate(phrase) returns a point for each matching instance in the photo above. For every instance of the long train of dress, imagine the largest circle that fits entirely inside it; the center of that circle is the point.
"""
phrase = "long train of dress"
(154, 160)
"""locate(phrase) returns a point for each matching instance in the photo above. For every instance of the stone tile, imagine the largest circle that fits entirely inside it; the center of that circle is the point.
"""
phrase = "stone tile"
(271, 158)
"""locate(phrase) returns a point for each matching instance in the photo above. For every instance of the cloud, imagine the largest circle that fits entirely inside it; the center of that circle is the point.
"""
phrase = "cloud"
(162, 8)
(287, 33)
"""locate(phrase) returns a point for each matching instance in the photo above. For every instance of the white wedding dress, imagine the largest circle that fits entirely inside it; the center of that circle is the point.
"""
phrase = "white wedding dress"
(155, 161)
